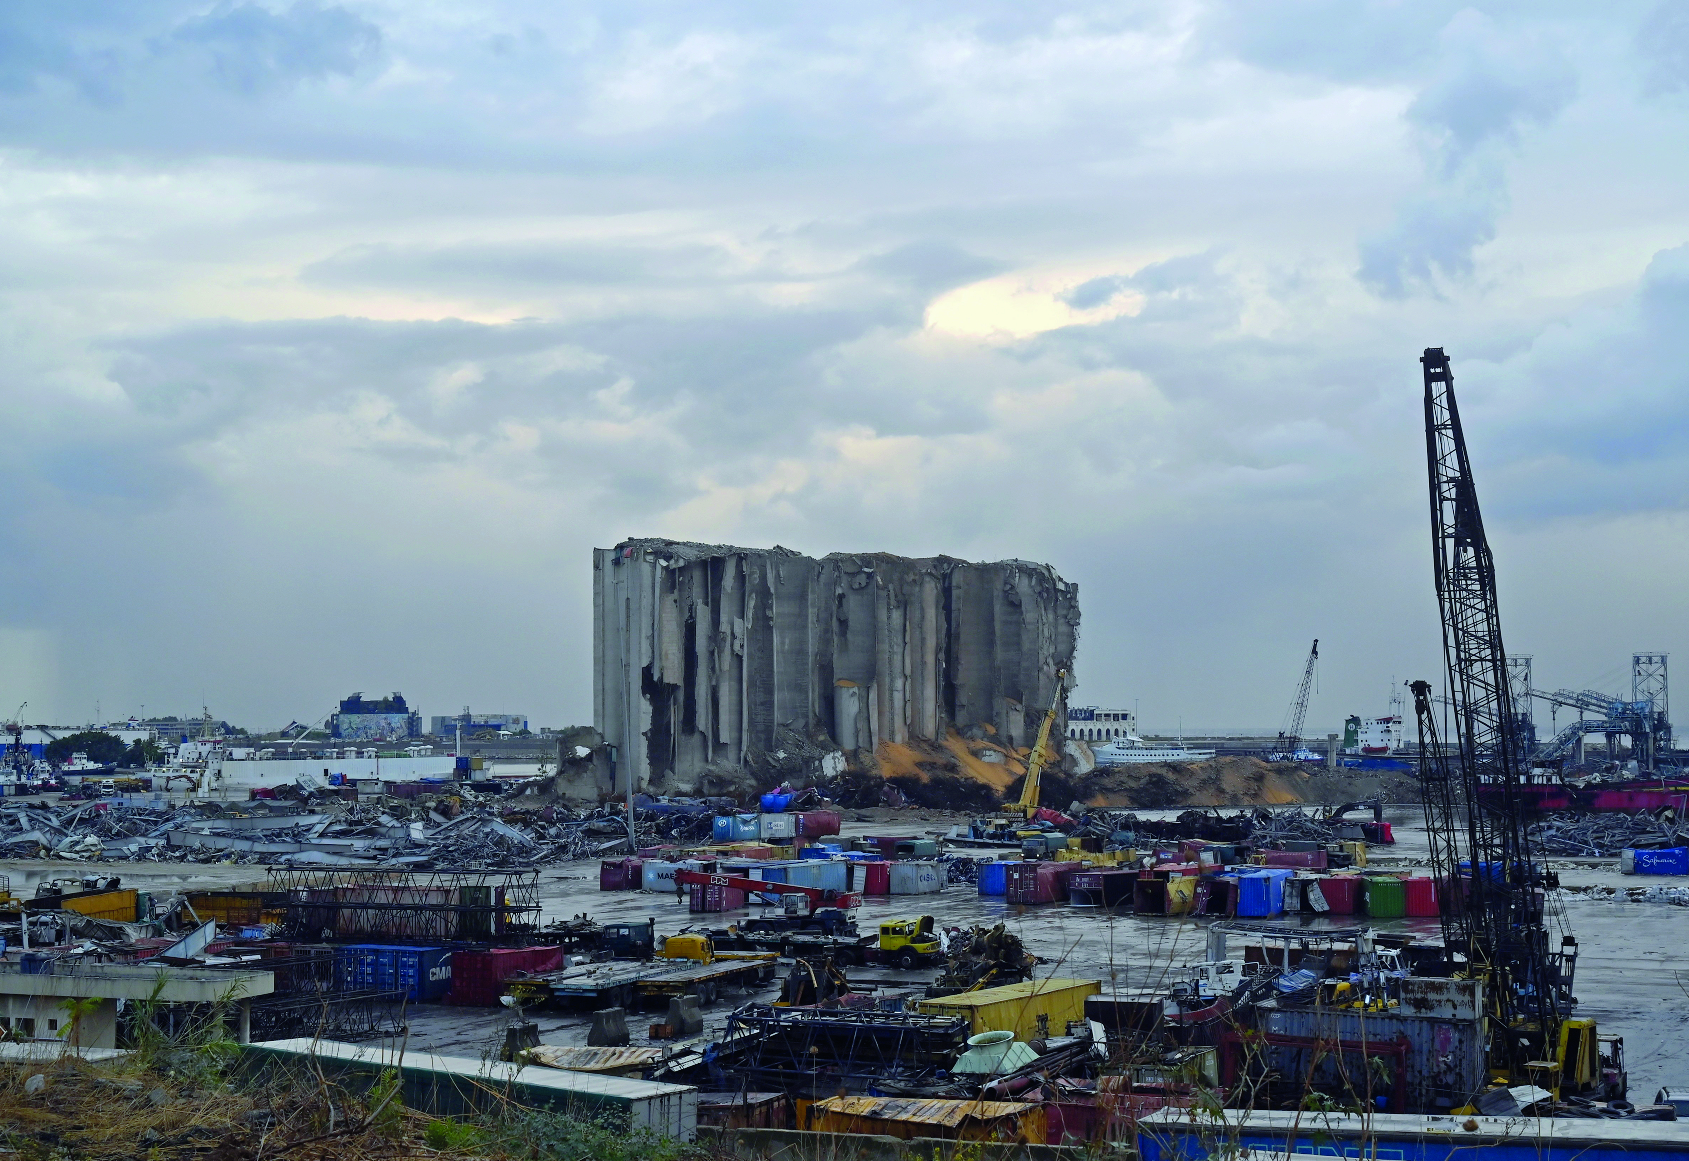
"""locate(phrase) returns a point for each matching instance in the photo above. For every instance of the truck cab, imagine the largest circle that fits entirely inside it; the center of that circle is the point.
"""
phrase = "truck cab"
(908, 943)
(629, 940)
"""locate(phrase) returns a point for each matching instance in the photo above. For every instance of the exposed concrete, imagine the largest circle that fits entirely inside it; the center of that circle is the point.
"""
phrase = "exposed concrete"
(32, 1006)
(711, 660)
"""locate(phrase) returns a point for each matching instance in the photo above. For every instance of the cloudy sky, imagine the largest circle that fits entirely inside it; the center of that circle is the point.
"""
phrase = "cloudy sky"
(333, 336)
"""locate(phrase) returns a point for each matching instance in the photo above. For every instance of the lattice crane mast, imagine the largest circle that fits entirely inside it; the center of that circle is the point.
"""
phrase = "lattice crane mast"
(1290, 737)
(1473, 808)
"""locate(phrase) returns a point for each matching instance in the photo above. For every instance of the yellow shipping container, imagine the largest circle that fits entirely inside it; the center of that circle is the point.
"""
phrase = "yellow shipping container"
(1033, 1009)
(1095, 858)
(1016, 1122)
(1356, 853)
(117, 906)
(1181, 894)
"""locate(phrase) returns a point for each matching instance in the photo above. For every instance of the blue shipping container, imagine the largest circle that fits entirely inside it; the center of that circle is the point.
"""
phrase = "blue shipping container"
(832, 875)
(721, 828)
(422, 973)
(994, 878)
(747, 828)
(1671, 861)
(1260, 895)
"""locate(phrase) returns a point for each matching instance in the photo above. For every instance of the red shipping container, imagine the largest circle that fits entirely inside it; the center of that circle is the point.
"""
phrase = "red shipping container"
(1039, 882)
(816, 823)
(1342, 893)
(478, 976)
(875, 877)
(1302, 860)
(1420, 895)
(613, 875)
(709, 897)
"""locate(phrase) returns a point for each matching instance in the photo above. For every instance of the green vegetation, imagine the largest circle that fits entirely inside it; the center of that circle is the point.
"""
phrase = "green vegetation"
(97, 744)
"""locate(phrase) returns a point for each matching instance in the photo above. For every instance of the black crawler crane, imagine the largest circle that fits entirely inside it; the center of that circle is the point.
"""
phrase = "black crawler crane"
(1493, 889)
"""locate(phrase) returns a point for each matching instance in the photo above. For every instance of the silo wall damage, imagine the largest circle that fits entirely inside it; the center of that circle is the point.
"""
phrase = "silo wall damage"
(714, 666)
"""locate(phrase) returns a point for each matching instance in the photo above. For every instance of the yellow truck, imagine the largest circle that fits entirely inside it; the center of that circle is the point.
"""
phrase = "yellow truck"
(906, 943)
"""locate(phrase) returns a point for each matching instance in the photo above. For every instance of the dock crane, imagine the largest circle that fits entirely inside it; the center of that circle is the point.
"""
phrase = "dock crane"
(1492, 887)
(1035, 762)
(1290, 737)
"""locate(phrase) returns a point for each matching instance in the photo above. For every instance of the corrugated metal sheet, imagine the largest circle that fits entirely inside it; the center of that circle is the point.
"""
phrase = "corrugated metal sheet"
(578, 1059)
(923, 1112)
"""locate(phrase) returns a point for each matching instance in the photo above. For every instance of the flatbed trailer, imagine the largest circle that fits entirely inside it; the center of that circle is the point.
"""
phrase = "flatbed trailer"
(622, 984)
(795, 944)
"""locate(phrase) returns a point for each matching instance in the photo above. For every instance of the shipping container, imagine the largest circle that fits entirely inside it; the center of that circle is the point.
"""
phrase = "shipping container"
(1670, 861)
(915, 878)
(747, 827)
(870, 878)
(915, 848)
(721, 829)
(478, 976)
(1419, 897)
(710, 897)
(994, 878)
(1384, 897)
(819, 823)
(830, 875)
(657, 875)
(1169, 895)
(1039, 882)
(1444, 1061)
(117, 906)
(745, 1110)
(422, 973)
(1342, 894)
(1032, 1010)
(1301, 860)
(1110, 889)
(777, 828)
(454, 1086)
(624, 874)
(1260, 894)
(1215, 895)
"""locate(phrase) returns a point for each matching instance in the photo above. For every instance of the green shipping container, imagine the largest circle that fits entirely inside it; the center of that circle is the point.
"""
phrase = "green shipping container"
(1386, 898)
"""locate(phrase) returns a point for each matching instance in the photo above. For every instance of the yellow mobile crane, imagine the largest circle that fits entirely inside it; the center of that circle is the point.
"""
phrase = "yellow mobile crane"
(1028, 804)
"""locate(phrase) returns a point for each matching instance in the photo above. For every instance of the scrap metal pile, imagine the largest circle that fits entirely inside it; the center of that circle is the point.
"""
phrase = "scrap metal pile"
(453, 827)
(1605, 835)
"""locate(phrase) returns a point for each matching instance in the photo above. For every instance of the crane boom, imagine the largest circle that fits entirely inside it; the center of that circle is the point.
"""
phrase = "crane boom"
(1498, 929)
(1290, 737)
(1036, 761)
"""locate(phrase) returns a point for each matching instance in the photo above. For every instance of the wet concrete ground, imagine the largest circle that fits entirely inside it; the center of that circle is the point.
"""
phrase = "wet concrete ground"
(1632, 976)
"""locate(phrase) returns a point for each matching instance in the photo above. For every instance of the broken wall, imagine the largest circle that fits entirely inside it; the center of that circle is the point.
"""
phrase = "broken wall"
(707, 657)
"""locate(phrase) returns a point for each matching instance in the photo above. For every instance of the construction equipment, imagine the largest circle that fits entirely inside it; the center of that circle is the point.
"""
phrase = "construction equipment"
(907, 943)
(1035, 762)
(1290, 737)
(1492, 910)
(817, 897)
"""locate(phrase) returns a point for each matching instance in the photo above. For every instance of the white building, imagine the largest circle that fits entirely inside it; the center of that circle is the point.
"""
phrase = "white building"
(1094, 724)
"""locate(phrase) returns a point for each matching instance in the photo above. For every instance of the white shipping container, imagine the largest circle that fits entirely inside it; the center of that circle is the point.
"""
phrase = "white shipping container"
(778, 828)
(916, 879)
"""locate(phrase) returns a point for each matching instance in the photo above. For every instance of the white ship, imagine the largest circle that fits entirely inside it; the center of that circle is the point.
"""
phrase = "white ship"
(1132, 751)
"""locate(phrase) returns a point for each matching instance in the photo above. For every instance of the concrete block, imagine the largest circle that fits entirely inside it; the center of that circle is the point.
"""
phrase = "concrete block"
(609, 1029)
(684, 1017)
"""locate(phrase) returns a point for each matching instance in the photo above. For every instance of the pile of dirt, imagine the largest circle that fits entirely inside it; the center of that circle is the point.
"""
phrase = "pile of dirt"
(1233, 781)
(981, 774)
(1238, 781)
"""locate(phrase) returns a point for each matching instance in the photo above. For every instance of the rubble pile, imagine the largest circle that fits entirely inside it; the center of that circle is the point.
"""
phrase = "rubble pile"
(457, 827)
(1605, 835)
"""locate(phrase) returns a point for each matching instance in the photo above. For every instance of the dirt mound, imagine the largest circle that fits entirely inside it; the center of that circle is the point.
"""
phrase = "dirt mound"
(1233, 781)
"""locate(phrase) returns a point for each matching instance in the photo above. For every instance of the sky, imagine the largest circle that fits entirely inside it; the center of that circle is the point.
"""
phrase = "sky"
(334, 336)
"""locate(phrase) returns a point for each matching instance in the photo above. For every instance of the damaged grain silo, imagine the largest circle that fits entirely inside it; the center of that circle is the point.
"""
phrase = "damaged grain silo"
(714, 660)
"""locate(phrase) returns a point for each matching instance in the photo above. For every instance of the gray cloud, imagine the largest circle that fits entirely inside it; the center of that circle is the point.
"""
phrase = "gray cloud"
(1489, 85)
(1663, 42)
(253, 50)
